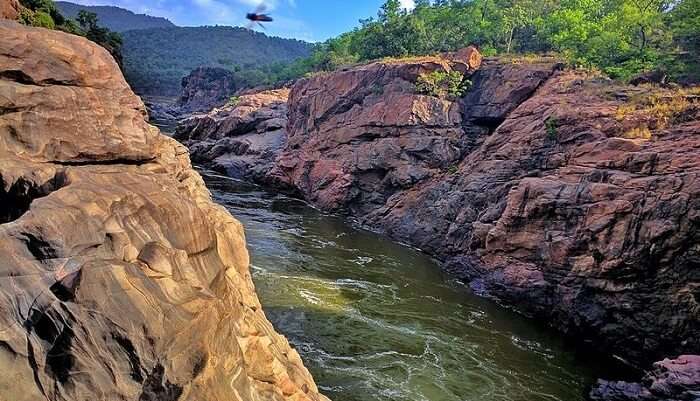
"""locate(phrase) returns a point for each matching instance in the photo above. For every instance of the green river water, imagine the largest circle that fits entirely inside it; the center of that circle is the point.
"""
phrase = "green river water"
(375, 320)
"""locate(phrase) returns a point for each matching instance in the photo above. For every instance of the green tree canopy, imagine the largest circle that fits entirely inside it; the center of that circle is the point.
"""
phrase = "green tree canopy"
(620, 37)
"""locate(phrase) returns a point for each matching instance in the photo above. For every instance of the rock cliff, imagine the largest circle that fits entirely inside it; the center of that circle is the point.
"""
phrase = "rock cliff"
(205, 88)
(119, 277)
(564, 194)
(241, 139)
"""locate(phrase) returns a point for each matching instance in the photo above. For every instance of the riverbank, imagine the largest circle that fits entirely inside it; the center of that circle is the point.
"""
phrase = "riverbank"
(561, 193)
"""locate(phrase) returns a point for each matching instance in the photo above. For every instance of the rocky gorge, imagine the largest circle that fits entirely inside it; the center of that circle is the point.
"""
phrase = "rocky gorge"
(570, 197)
(119, 276)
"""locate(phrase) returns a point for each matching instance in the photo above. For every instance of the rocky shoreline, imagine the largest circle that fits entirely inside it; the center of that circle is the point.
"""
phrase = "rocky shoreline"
(566, 195)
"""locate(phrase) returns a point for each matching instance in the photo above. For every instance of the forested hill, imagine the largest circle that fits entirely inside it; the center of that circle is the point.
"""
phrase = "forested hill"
(115, 18)
(155, 60)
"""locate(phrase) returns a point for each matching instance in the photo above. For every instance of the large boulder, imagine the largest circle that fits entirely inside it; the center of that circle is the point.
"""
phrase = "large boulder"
(528, 188)
(358, 136)
(671, 379)
(206, 88)
(121, 279)
(241, 139)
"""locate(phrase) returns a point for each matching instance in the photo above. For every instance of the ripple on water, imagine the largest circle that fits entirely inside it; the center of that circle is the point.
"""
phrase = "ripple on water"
(376, 321)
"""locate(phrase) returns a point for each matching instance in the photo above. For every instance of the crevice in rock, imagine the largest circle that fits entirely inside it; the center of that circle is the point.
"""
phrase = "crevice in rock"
(51, 328)
(39, 247)
(66, 288)
(59, 359)
(9, 110)
(109, 162)
(35, 367)
(23, 78)
(491, 124)
(134, 360)
(15, 199)
(159, 388)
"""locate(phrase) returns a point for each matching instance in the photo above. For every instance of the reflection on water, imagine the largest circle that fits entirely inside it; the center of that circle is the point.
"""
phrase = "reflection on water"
(374, 320)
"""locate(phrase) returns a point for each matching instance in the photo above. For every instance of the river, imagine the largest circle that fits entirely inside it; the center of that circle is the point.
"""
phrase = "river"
(375, 320)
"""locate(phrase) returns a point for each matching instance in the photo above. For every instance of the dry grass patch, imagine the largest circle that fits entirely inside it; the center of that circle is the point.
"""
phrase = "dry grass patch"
(653, 109)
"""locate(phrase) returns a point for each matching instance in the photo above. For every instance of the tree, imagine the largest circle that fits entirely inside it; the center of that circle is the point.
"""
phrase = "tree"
(390, 10)
(87, 20)
(621, 37)
(684, 21)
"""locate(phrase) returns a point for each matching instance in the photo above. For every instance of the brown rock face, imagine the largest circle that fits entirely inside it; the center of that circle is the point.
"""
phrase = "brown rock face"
(467, 59)
(677, 379)
(119, 277)
(240, 140)
(9, 9)
(206, 88)
(527, 187)
(556, 213)
(359, 136)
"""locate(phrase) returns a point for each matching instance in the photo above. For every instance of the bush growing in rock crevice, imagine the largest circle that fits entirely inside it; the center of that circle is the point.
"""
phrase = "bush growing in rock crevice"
(551, 125)
(443, 84)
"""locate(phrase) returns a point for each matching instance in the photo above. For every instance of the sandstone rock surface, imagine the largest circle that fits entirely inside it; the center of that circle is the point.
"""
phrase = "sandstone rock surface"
(120, 279)
(10, 9)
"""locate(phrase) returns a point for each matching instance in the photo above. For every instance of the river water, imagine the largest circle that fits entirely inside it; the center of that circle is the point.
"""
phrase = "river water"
(375, 320)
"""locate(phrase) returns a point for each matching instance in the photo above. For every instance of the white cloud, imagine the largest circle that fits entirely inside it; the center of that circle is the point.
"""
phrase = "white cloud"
(218, 12)
(407, 4)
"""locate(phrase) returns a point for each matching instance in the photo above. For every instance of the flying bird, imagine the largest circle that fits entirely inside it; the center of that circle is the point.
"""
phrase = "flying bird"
(258, 17)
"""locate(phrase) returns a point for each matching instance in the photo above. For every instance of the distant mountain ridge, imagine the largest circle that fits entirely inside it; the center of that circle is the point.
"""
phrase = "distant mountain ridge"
(115, 18)
(156, 60)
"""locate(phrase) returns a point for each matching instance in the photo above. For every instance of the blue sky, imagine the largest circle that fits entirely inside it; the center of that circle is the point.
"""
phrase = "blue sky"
(311, 20)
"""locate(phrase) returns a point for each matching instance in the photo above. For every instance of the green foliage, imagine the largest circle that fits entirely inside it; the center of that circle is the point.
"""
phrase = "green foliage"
(43, 20)
(114, 18)
(442, 84)
(233, 101)
(684, 22)
(70, 26)
(112, 41)
(87, 20)
(156, 60)
(619, 37)
(43, 13)
(551, 125)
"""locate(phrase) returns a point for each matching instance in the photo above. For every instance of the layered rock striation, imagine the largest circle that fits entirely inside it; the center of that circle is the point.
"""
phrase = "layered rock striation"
(119, 277)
